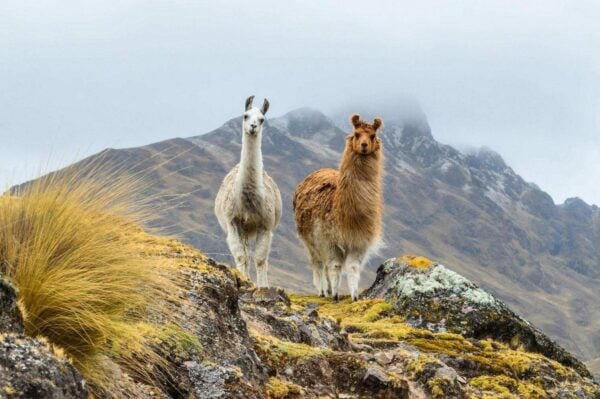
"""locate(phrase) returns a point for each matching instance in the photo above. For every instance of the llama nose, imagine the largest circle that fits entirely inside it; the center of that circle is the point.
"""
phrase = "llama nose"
(364, 145)
(253, 126)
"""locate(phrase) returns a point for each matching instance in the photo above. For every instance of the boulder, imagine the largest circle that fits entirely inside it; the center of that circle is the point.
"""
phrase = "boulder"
(432, 296)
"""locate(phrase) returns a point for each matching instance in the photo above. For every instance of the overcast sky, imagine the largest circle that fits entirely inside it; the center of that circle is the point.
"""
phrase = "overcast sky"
(522, 78)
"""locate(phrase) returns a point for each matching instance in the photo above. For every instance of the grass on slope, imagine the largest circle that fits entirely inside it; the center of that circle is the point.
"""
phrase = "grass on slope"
(71, 247)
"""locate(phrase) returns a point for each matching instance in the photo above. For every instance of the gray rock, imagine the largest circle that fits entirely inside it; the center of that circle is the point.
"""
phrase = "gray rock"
(447, 373)
(208, 382)
(11, 319)
(29, 370)
(384, 358)
(376, 377)
(311, 311)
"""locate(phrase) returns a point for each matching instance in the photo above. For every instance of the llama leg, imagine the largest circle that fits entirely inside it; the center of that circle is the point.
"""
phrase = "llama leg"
(239, 248)
(318, 272)
(263, 247)
(325, 286)
(318, 277)
(353, 269)
(334, 271)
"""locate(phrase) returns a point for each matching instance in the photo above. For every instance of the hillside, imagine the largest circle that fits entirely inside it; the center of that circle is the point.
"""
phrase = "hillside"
(225, 339)
(469, 210)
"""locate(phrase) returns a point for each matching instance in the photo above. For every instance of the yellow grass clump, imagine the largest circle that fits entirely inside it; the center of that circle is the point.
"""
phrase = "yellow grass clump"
(280, 389)
(277, 349)
(71, 246)
(418, 262)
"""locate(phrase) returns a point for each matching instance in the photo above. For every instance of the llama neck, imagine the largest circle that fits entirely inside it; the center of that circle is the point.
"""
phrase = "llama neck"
(358, 198)
(250, 173)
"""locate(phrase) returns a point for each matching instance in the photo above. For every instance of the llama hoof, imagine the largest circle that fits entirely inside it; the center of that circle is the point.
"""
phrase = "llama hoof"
(322, 295)
(336, 299)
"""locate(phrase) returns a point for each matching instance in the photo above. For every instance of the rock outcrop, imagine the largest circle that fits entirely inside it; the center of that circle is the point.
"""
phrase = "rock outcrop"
(394, 343)
(434, 297)
(30, 368)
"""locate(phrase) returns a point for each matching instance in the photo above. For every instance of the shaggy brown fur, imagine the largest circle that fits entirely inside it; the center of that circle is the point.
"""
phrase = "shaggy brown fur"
(338, 212)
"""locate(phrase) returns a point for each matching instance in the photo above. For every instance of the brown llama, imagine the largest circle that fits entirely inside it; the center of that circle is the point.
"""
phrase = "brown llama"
(338, 212)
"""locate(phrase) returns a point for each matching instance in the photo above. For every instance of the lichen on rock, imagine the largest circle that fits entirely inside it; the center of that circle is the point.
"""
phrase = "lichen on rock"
(440, 300)
(433, 278)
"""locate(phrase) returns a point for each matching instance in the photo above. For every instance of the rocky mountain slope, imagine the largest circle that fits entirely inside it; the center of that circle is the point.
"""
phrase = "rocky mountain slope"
(469, 210)
(226, 339)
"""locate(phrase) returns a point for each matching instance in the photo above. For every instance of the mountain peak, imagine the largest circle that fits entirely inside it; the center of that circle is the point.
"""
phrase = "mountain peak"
(407, 130)
(306, 122)
(576, 204)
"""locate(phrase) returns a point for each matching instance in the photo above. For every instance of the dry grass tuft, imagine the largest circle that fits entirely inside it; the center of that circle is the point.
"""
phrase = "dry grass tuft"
(71, 245)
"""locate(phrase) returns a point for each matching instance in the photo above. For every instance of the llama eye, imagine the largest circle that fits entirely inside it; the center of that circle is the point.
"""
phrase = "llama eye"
(356, 136)
(245, 117)
(261, 120)
(372, 137)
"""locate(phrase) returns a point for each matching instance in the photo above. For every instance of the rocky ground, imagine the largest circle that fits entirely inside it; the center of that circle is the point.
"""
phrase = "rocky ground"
(421, 331)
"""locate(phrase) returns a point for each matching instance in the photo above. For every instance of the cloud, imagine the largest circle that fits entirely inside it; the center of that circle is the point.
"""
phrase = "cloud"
(519, 77)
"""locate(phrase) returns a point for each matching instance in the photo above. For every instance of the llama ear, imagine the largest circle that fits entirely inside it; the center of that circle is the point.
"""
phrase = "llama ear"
(265, 107)
(355, 120)
(249, 102)
(377, 123)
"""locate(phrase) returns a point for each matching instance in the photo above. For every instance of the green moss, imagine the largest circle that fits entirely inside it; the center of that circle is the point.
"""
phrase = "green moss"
(487, 345)
(302, 301)
(449, 344)
(496, 384)
(280, 389)
(507, 387)
(140, 335)
(416, 366)
(278, 349)
(437, 387)
(183, 343)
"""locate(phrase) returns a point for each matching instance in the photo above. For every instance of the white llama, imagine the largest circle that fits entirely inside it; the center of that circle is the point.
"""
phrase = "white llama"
(248, 203)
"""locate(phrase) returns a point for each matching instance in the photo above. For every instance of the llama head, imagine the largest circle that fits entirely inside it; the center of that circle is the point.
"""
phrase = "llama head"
(364, 139)
(254, 118)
